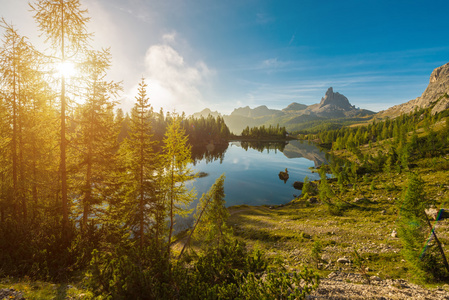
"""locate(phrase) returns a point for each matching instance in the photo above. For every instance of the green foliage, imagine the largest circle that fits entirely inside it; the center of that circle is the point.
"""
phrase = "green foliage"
(212, 214)
(317, 250)
(413, 231)
(263, 132)
(360, 264)
(206, 130)
(177, 156)
(334, 205)
(280, 285)
(227, 272)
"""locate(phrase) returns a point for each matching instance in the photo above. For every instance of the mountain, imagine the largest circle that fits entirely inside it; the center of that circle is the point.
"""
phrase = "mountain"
(260, 111)
(295, 116)
(295, 149)
(294, 107)
(435, 94)
(335, 106)
(205, 113)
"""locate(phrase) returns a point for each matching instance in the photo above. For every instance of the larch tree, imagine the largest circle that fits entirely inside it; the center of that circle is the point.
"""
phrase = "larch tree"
(177, 156)
(63, 23)
(19, 76)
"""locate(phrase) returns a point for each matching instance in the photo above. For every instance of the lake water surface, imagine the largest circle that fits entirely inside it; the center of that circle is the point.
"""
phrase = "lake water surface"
(252, 174)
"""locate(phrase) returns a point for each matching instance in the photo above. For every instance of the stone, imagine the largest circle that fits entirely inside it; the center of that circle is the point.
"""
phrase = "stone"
(312, 200)
(394, 234)
(361, 200)
(298, 185)
(11, 294)
(343, 260)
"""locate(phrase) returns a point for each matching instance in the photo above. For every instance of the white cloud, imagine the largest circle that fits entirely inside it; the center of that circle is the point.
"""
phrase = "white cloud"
(169, 38)
(173, 83)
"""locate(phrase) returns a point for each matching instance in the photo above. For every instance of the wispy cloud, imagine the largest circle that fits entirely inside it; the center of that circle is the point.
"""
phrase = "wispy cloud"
(263, 18)
(292, 39)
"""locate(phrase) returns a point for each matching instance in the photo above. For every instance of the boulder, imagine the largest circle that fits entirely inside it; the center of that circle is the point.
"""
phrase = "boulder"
(298, 185)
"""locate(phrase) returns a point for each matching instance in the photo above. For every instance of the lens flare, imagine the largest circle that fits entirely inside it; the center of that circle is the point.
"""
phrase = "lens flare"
(66, 69)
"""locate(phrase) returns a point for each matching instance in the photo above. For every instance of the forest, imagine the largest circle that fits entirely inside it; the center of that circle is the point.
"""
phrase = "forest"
(91, 194)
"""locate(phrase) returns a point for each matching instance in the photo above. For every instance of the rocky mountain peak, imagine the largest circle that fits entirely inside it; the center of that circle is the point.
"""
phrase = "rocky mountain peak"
(335, 99)
(435, 94)
(438, 73)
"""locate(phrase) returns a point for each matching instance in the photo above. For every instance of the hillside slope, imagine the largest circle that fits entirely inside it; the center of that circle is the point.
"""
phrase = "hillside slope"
(436, 94)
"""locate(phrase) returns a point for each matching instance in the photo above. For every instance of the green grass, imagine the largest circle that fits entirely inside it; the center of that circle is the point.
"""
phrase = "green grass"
(38, 290)
(290, 231)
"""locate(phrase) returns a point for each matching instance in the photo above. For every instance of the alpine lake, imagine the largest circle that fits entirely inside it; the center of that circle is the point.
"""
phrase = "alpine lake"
(252, 170)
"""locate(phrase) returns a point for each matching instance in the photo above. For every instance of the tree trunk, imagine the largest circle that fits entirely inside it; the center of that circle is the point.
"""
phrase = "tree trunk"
(194, 227)
(443, 256)
(63, 168)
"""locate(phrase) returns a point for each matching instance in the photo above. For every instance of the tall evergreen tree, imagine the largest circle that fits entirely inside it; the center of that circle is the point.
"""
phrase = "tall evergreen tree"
(414, 230)
(96, 139)
(142, 166)
(63, 23)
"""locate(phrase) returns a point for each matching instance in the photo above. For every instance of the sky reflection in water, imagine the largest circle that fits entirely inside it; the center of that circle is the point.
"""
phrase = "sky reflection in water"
(252, 176)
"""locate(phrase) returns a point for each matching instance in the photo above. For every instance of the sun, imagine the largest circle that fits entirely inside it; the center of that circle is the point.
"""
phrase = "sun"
(66, 69)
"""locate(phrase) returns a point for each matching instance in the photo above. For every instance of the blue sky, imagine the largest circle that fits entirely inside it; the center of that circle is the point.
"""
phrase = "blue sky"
(227, 54)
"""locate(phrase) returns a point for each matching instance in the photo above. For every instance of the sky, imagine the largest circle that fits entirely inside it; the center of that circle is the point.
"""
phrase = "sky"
(197, 54)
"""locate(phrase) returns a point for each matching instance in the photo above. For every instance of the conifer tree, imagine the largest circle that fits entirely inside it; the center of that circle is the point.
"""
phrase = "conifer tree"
(177, 156)
(414, 230)
(96, 139)
(63, 23)
(142, 169)
(210, 217)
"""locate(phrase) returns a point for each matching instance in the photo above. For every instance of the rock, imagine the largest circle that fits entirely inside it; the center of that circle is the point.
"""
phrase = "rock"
(11, 294)
(335, 99)
(361, 200)
(394, 234)
(312, 200)
(202, 174)
(435, 94)
(284, 175)
(298, 185)
(375, 278)
(437, 214)
(343, 260)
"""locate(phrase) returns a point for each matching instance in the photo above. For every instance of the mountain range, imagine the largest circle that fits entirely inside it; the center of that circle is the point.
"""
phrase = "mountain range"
(334, 107)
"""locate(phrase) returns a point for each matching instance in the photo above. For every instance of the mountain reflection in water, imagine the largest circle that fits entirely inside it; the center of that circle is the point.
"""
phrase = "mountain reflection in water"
(252, 169)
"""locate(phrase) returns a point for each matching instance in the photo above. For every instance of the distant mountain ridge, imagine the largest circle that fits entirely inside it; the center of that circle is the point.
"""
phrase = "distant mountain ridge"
(435, 94)
(332, 106)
